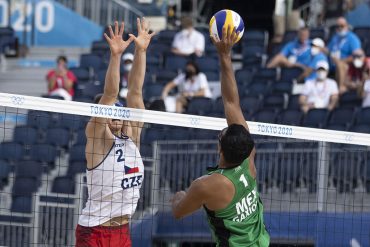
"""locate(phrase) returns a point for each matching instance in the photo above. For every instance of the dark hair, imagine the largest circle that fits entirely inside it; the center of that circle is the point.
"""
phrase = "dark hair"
(97, 98)
(195, 65)
(186, 22)
(236, 144)
(63, 58)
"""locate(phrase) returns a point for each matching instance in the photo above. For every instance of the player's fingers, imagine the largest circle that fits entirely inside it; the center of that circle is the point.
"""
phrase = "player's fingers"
(229, 33)
(236, 36)
(138, 25)
(145, 24)
(107, 38)
(233, 35)
(116, 31)
(213, 39)
(152, 34)
(132, 38)
(122, 29)
(224, 34)
(110, 31)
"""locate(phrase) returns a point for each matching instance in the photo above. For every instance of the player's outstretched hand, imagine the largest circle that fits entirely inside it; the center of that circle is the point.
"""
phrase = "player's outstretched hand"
(229, 38)
(143, 36)
(116, 43)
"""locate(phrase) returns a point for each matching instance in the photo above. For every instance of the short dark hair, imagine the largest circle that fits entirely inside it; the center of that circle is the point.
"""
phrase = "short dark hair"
(186, 22)
(236, 144)
(63, 58)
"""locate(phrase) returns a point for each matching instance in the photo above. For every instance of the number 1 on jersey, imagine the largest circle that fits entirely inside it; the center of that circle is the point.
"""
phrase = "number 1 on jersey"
(244, 180)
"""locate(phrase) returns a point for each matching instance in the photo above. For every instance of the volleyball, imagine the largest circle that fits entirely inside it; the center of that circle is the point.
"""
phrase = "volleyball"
(223, 18)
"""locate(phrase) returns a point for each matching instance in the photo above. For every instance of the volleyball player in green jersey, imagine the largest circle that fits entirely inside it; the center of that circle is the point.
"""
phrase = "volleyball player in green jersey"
(229, 193)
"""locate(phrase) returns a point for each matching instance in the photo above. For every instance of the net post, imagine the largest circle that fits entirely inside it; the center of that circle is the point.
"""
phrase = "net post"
(155, 175)
(322, 174)
(36, 226)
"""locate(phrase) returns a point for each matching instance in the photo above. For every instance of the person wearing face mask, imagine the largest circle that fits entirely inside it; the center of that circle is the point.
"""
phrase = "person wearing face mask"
(340, 49)
(188, 41)
(358, 72)
(61, 80)
(317, 55)
(191, 83)
(127, 59)
(321, 92)
(295, 53)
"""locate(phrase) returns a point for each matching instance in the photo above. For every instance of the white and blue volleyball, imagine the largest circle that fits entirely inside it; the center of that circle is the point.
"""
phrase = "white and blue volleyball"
(223, 18)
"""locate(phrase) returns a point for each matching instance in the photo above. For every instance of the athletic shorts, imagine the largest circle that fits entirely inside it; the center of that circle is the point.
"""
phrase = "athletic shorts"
(103, 236)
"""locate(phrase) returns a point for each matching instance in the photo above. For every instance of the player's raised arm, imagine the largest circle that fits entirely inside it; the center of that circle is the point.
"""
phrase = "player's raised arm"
(117, 45)
(137, 73)
(229, 89)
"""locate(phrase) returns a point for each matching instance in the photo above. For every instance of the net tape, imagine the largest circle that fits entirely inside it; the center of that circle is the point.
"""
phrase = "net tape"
(175, 119)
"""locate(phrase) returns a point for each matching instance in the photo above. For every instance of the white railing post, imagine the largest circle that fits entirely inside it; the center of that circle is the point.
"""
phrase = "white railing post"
(155, 175)
(322, 175)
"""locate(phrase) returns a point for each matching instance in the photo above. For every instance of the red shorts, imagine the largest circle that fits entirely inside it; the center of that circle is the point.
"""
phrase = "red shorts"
(103, 236)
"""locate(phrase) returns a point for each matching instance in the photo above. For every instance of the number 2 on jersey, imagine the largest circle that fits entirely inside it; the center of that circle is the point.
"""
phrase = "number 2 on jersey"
(120, 158)
(244, 180)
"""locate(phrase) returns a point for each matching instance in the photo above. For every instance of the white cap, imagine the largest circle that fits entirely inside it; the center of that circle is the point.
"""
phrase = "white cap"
(322, 64)
(318, 42)
(128, 56)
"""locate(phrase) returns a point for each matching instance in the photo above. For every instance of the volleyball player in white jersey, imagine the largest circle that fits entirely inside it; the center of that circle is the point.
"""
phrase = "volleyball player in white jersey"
(115, 169)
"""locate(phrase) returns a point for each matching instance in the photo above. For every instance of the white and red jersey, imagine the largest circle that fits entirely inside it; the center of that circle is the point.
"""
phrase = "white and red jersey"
(114, 185)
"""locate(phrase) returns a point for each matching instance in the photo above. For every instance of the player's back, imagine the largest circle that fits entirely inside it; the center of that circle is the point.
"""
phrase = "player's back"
(241, 222)
(114, 184)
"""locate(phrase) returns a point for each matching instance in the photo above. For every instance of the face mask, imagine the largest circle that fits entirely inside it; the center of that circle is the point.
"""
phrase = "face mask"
(127, 67)
(321, 75)
(342, 33)
(315, 51)
(189, 74)
(358, 63)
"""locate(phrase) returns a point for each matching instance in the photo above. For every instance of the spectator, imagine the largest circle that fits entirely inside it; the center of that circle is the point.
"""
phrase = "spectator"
(60, 80)
(191, 84)
(317, 55)
(341, 47)
(320, 92)
(294, 54)
(128, 59)
(366, 94)
(358, 72)
(188, 41)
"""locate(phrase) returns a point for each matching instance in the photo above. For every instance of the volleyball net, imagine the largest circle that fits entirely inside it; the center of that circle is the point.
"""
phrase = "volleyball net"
(314, 183)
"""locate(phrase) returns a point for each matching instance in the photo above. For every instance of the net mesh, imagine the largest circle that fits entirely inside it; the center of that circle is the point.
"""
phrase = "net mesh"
(314, 192)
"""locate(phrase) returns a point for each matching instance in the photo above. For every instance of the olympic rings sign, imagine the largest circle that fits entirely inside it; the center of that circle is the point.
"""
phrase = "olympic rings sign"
(17, 100)
(194, 121)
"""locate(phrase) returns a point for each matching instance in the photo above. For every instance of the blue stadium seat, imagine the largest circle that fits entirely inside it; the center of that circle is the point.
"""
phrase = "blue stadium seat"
(77, 153)
(258, 88)
(68, 121)
(252, 62)
(363, 33)
(274, 101)
(265, 74)
(21, 204)
(207, 64)
(290, 117)
(153, 63)
(199, 106)
(350, 99)
(288, 171)
(289, 36)
(81, 137)
(253, 51)
(250, 104)
(164, 76)
(243, 76)
(218, 106)
(175, 63)
(99, 47)
(178, 133)
(158, 49)
(100, 75)
(255, 37)
(11, 151)
(44, 153)
(38, 119)
(29, 169)
(64, 185)
(318, 32)
(212, 76)
(25, 186)
(203, 134)
(91, 89)
(293, 102)
(316, 118)
(90, 61)
(361, 128)
(25, 135)
(341, 116)
(58, 136)
(282, 87)
(265, 116)
(153, 91)
(363, 116)
(82, 74)
(166, 36)
(289, 74)
(5, 169)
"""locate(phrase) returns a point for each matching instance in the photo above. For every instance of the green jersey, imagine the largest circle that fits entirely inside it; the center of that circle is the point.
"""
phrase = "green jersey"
(240, 224)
